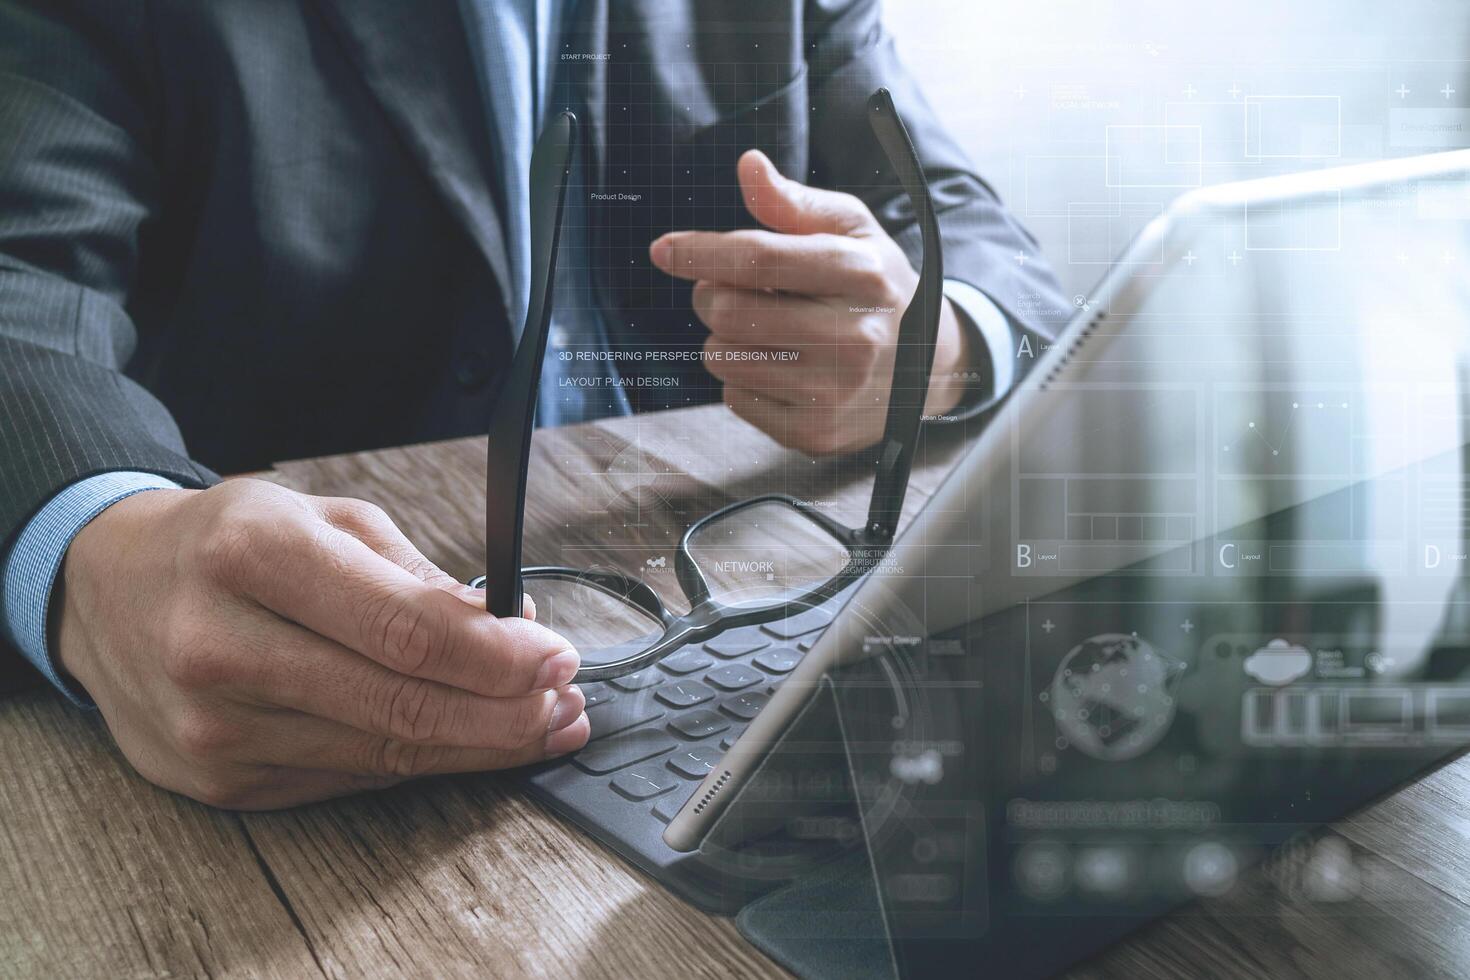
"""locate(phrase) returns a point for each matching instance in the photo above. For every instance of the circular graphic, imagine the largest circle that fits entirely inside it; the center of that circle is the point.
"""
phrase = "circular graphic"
(634, 471)
(1210, 869)
(1104, 870)
(1042, 870)
(1110, 697)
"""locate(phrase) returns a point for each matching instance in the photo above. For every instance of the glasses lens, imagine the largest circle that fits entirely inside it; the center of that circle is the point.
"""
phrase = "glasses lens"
(765, 554)
(602, 625)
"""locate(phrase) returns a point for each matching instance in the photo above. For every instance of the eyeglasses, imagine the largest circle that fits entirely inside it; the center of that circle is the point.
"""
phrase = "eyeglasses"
(756, 561)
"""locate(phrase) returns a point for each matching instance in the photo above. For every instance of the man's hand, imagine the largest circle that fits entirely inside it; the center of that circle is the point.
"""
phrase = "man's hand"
(253, 647)
(825, 283)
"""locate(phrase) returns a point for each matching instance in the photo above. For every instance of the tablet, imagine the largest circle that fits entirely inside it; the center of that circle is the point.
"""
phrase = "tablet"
(1216, 537)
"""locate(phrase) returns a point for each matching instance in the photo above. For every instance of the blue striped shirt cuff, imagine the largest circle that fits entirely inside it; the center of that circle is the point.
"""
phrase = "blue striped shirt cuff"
(994, 328)
(35, 559)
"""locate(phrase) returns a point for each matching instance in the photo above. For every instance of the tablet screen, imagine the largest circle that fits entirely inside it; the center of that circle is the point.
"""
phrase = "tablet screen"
(1223, 600)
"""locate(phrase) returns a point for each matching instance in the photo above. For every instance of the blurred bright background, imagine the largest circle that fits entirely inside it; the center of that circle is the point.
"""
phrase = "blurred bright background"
(1088, 116)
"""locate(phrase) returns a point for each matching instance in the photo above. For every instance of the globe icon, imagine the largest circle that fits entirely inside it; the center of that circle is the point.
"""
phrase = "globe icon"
(1111, 697)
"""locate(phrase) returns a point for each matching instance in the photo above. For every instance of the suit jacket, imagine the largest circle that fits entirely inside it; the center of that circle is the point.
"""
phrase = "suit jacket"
(264, 229)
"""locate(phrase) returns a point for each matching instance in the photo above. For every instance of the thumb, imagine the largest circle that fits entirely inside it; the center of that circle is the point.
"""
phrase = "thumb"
(793, 208)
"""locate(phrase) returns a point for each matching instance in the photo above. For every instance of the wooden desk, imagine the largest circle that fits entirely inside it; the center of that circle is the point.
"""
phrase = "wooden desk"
(101, 874)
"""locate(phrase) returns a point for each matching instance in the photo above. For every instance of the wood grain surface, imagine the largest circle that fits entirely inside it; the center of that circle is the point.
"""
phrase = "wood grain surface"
(102, 874)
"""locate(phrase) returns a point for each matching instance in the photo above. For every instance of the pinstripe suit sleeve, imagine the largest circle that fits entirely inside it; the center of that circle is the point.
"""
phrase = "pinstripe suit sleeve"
(76, 186)
(851, 55)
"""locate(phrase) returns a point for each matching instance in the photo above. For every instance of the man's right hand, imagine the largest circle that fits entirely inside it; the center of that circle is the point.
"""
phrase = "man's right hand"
(252, 647)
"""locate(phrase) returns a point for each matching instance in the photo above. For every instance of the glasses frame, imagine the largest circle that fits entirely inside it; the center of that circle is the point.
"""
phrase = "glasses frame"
(513, 420)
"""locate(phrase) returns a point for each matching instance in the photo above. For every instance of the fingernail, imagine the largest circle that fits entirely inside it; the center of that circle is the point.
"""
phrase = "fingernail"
(659, 251)
(569, 705)
(558, 670)
(570, 738)
(763, 164)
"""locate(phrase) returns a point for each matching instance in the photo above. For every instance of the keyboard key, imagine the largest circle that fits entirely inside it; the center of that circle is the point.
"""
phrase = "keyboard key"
(699, 724)
(737, 644)
(682, 694)
(597, 694)
(746, 706)
(778, 660)
(638, 681)
(732, 677)
(612, 754)
(686, 661)
(665, 808)
(645, 782)
(696, 762)
(805, 622)
(609, 718)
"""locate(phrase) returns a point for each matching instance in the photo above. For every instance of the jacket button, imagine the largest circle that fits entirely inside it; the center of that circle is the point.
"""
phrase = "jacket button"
(471, 369)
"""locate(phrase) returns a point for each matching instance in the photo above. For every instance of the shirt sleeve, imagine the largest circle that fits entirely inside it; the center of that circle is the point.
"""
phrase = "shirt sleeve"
(992, 336)
(28, 573)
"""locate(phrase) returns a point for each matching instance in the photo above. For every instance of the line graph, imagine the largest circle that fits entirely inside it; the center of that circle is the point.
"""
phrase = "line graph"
(1281, 441)
(1282, 433)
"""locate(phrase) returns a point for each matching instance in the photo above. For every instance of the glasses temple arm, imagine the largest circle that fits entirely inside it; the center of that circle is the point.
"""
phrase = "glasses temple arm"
(514, 412)
(918, 330)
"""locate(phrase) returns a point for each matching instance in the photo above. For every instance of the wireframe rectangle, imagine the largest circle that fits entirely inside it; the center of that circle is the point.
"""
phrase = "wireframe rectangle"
(1144, 558)
(1221, 125)
(1051, 182)
(1153, 156)
(1294, 226)
(1429, 128)
(1447, 713)
(1126, 495)
(1442, 200)
(1293, 127)
(1098, 230)
(1316, 557)
(1368, 713)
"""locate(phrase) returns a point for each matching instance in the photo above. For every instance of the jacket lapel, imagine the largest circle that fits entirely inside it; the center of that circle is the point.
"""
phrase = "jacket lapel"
(416, 60)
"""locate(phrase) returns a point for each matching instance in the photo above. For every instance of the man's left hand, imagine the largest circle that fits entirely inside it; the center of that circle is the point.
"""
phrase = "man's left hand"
(804, 317)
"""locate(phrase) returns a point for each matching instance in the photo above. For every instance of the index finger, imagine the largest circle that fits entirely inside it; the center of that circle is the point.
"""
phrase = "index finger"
(328, 581)
(817, 265)
(373, 527)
